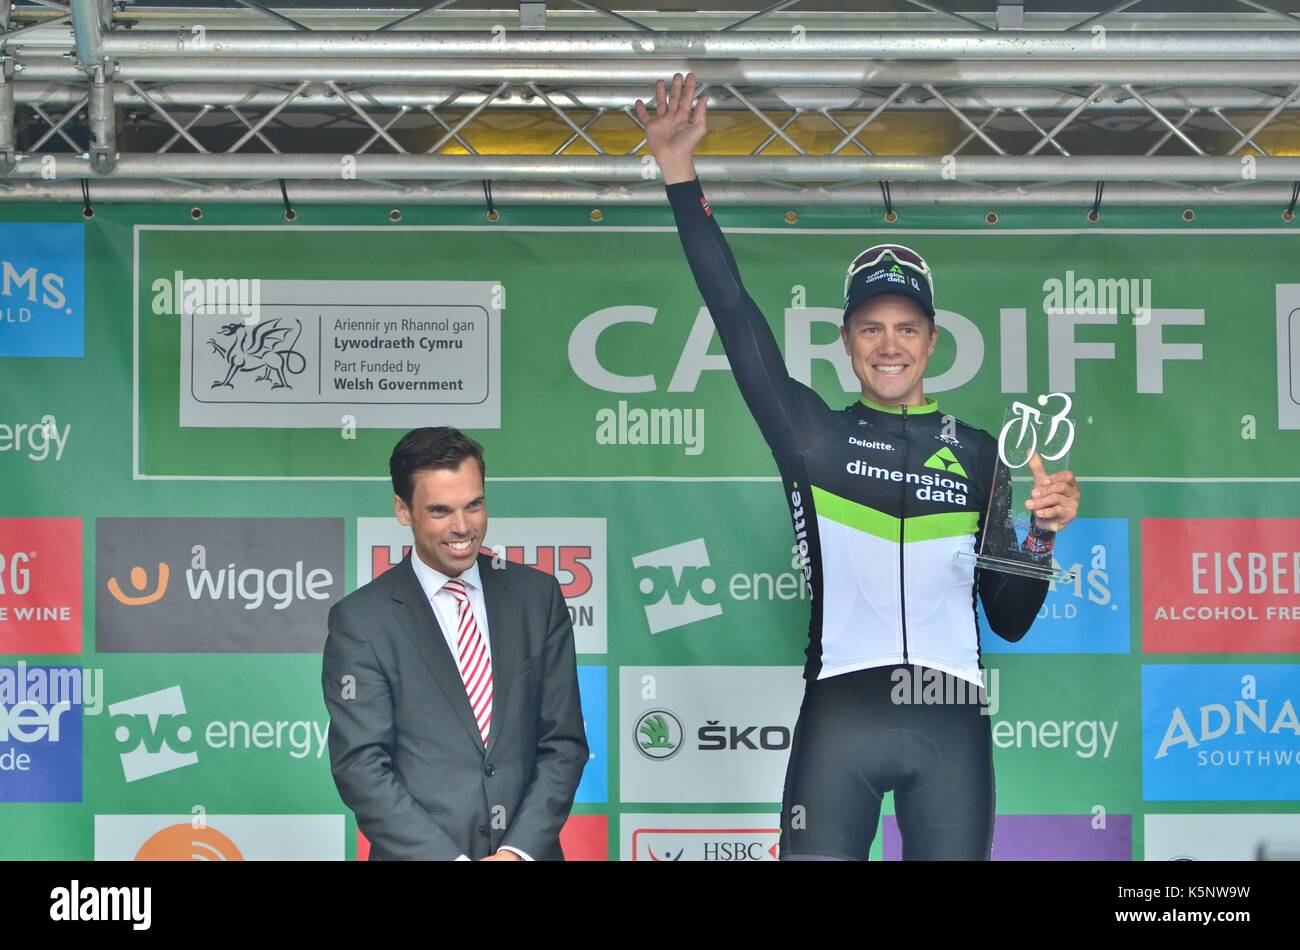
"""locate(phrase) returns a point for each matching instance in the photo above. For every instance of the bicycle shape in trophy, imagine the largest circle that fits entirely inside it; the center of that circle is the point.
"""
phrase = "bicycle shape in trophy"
(1007, 522)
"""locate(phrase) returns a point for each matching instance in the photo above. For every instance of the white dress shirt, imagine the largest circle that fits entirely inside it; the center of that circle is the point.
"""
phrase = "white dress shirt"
(445, 606)
(443, 601)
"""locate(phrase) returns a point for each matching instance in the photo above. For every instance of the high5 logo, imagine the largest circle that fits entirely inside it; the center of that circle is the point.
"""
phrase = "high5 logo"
(570, 564)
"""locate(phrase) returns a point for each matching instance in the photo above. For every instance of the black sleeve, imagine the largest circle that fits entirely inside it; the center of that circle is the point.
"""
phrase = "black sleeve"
(1011, 601)
(780, 405)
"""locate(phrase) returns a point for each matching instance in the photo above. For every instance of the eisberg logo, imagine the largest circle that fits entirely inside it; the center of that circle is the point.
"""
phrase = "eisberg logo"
(40, 585)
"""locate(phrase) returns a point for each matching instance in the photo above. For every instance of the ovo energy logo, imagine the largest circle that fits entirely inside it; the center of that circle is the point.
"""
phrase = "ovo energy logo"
(680, 587)
(677, 583)
(154, 729)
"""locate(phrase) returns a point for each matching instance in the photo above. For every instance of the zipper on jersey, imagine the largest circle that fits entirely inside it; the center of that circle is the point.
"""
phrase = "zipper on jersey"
(902, 523)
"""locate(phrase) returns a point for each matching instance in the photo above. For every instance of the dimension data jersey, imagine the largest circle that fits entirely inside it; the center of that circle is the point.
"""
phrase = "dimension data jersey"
(882, 497)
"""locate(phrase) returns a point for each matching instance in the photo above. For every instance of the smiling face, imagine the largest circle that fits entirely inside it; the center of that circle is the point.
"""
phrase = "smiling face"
(890, 342)
(447, 516)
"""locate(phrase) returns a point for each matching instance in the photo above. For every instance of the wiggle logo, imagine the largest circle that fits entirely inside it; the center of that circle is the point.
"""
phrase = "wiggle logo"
(140, 583)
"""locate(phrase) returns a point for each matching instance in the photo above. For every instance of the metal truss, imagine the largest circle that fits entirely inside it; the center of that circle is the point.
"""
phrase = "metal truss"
(986, 104)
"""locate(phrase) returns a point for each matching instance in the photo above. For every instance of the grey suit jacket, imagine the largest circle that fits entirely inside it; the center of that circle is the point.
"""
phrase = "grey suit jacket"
(405, 750)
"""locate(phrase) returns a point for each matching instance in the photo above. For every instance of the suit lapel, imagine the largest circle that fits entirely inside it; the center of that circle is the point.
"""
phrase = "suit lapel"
(503, 637)
(418, 619)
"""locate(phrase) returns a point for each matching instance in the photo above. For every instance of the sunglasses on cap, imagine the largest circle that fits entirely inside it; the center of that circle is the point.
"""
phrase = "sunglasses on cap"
(900, 254)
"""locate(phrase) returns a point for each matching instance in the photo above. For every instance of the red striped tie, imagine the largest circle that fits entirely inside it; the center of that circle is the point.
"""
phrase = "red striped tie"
(472, 658)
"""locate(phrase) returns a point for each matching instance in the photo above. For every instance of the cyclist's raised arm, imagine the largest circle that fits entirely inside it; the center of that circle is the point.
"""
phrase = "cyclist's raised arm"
(777, 402)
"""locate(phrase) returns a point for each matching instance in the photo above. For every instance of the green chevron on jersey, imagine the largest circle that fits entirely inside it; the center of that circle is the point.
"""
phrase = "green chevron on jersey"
(945, 461)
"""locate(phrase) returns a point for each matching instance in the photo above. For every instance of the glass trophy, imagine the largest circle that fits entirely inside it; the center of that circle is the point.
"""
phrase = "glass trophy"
(1041, 428)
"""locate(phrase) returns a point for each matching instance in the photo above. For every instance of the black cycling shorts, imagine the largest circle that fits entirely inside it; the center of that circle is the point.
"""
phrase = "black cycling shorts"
(854, 742)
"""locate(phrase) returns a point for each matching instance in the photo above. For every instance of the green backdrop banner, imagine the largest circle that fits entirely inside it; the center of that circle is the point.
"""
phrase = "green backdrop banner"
(182, 503)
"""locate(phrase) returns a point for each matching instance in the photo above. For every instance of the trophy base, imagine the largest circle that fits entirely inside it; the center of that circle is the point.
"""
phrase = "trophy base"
(1012, 566)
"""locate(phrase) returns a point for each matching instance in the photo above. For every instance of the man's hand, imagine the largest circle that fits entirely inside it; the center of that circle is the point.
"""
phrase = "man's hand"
(502, 855)
(1054, 499)
(675, 129)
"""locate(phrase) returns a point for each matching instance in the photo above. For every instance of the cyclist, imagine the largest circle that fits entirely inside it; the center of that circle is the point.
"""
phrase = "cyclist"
(884, 493)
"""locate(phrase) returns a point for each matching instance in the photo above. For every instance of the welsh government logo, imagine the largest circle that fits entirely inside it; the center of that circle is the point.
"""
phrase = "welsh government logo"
(1029, 420)
(155, 732)
(267, 346)
(678, 585)
(658, 734)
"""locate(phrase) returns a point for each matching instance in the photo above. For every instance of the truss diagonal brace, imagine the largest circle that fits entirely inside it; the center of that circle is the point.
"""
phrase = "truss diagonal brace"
(1160, 117)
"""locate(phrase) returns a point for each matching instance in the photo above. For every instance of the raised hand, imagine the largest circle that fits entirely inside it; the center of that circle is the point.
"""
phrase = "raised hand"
(1054, 499)
(675, 129)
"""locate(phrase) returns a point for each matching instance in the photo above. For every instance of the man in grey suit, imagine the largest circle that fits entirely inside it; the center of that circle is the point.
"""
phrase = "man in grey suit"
(451, 681)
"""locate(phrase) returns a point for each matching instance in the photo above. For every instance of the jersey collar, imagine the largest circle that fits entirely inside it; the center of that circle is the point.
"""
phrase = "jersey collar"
(931, 405)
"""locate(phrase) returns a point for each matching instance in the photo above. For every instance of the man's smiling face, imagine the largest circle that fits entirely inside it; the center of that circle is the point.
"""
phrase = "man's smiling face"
(447, 516)
(890, 342)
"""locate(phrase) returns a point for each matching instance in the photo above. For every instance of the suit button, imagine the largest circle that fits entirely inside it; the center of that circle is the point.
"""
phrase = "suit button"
(482, 829)
(490, 770)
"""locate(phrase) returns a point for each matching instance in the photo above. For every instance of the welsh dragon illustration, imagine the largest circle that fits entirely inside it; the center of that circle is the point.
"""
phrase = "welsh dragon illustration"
(268, 346)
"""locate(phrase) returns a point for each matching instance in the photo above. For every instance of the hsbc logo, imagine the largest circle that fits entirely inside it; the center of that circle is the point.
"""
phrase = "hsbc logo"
(701, 837)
